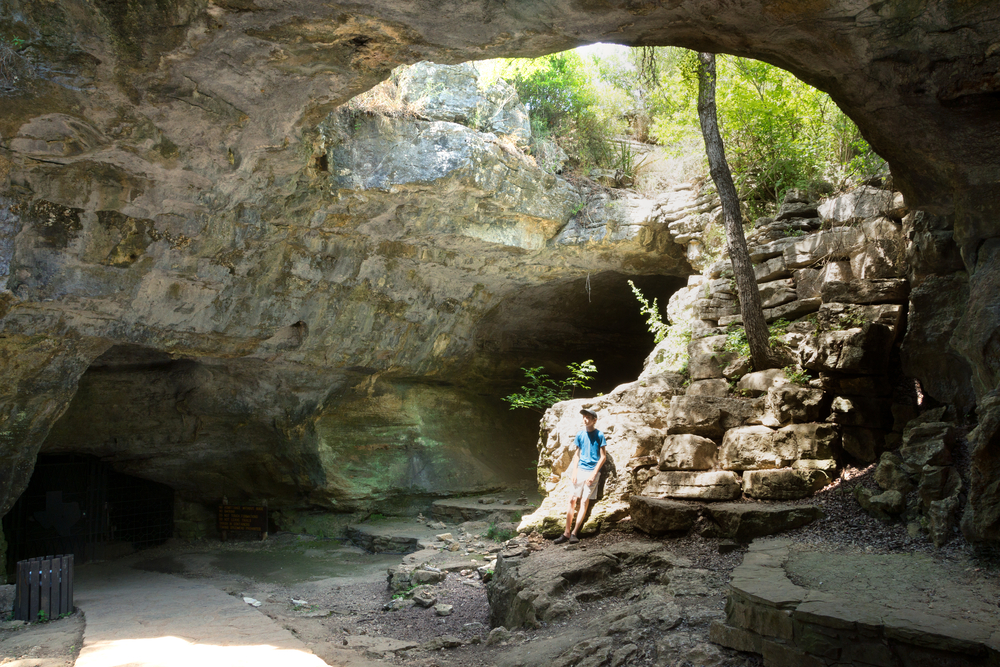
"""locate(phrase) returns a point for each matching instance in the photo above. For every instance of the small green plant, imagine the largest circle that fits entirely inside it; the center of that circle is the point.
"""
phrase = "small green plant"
(375, 518)
(852, 319)
(499, 533)
(736, 337)
(43, 616)
(796, 375)
(542, 391)
(776, 330)
(736, 341)
(654, 322)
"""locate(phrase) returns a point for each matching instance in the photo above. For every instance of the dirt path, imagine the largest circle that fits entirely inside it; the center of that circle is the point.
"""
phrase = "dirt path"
(147, 618)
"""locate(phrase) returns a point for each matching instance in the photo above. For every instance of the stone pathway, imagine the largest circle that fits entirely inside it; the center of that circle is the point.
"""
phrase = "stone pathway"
(799, 606)
(150, 619)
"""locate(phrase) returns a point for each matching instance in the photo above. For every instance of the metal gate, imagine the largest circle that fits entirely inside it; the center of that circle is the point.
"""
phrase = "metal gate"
(79, 505)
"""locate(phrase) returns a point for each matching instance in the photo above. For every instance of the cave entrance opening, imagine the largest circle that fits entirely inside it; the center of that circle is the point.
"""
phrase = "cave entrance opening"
(595, 317)
(78, 504)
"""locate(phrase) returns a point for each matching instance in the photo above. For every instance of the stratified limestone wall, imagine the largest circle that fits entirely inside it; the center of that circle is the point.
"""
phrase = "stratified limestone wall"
(703, 428)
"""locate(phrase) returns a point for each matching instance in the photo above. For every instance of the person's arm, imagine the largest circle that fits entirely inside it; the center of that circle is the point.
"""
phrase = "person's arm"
(573, 465)
(597, 469)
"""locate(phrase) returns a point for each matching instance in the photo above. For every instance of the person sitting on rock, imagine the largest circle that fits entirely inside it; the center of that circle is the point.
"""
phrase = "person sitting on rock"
(586, 466)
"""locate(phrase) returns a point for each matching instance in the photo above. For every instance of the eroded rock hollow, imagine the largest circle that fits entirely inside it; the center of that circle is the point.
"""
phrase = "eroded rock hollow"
(250, 273)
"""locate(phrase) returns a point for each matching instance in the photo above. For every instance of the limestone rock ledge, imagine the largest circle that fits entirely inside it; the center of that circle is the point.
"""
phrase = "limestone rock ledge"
(805, 608)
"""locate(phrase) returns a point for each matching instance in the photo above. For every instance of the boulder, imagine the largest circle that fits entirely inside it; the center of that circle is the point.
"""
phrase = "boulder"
(927, 444)
(687, 452)
(866, 411)
(756, 448)
(938, 483)
(864, 444)
(814, 441)
(981, 520)
(759, 382)
(857, 385)
(777, 292)
(883, 255)
(829, 466)
(866, 292)
(890, 474)
(942, 519)
(791, 210)
(707, 357)
(837, 316)
(762, 253)
(525, 592)
(794, 403)
(720, 485)
(452, 93)
(808, 283)
(786, 311)
(709, 417)
(836, 243)
(885, 505)
(864, 202)
(772, 269)
(716, 387)
(655, 516)
(783, 484)
(864, 351)
(746, 521)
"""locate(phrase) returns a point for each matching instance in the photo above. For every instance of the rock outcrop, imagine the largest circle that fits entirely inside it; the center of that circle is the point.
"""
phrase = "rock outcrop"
(699, 427)
(802, 607)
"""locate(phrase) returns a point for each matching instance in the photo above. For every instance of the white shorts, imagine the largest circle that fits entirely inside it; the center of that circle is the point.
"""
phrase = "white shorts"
(580, 489)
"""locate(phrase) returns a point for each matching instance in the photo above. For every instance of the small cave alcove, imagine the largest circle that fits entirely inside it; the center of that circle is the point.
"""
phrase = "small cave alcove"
(77, 504)
(595, 317)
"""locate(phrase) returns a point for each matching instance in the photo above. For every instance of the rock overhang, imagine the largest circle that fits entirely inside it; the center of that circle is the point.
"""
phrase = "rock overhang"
(216, 150)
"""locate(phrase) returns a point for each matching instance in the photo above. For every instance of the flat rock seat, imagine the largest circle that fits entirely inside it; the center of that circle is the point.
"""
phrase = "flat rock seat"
(798, 605)
(738, 521)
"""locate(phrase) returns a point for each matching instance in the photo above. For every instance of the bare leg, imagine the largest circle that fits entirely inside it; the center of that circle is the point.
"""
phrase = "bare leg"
(581, 515)
(569, 516)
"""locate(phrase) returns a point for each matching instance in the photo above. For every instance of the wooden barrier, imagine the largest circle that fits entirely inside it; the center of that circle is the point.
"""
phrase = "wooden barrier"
(44, 588)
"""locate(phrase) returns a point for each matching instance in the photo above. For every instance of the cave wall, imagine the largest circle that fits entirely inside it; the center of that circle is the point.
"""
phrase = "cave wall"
(162, 182)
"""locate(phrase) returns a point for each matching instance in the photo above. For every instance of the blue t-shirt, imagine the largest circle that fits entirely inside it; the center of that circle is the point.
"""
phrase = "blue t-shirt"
(589, 443)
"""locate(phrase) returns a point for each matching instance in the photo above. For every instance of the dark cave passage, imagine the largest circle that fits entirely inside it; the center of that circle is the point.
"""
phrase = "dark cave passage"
(78, 504)
(588, 318)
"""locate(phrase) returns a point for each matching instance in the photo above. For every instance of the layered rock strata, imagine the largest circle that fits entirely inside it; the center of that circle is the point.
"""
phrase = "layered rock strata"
(797, 607)
(699, 427)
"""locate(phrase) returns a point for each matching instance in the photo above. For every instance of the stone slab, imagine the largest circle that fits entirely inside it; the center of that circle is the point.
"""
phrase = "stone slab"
(858, 608)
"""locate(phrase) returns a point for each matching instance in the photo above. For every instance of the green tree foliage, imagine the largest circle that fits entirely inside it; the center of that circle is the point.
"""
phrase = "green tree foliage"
(778, 131)
(542, 391)
(569, 102)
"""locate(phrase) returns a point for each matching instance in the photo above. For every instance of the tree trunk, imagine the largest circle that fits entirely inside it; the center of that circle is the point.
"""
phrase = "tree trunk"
(746, 284)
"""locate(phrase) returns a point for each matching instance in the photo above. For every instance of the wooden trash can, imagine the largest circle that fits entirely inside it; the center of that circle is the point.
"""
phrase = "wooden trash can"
(44, 588)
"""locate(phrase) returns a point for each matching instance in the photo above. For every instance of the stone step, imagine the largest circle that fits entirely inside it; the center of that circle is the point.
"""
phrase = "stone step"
(738, 521)
(800, 606)
(503, 506)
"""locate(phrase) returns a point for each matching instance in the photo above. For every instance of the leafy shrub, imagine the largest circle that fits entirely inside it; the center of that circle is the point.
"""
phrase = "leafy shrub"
(542, 391)
(796, 375)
